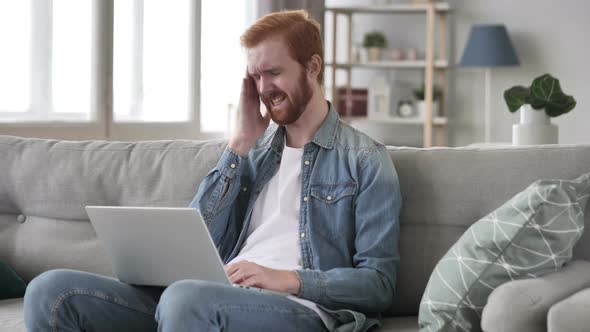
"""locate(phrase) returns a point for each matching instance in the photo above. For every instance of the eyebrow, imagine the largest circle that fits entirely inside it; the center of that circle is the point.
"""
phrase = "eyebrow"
(269, 70)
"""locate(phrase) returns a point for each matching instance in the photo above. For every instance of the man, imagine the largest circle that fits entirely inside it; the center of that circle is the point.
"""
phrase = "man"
(308, 206)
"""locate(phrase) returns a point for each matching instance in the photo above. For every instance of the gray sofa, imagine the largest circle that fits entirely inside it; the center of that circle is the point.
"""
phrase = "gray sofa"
(45, 184)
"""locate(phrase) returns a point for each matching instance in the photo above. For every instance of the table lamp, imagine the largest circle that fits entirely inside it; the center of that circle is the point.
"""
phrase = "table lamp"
(488, 46)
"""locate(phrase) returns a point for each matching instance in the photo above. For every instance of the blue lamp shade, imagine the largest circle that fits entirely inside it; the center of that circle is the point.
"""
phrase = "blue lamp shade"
(489, 46)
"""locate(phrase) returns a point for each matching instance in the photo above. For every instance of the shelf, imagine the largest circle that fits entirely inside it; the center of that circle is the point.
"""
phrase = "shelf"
(402, 64)
(436, 14)
(437, 121)
(391, 8)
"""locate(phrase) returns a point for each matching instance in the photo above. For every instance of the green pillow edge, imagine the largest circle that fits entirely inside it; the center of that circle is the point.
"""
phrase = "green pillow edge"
(15, 280)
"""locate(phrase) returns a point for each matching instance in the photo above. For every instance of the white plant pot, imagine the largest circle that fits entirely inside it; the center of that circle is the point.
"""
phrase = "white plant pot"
(373, 54)
(535, 128)
(421, 108)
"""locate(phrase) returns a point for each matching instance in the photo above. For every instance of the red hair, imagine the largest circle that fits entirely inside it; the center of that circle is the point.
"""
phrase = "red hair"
(301, 34)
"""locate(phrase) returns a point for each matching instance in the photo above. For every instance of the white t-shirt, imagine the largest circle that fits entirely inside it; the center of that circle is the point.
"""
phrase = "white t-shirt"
(273, 233)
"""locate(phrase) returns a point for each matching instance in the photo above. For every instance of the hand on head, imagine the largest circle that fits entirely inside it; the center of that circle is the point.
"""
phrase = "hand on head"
(251, 123)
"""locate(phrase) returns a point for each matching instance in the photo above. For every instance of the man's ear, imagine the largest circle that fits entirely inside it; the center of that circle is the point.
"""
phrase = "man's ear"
(314, 66)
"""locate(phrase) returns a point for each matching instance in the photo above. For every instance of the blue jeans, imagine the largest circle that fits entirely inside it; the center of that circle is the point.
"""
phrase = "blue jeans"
(67, 300)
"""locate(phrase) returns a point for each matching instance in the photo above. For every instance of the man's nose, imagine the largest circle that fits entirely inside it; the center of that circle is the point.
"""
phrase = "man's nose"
(264, 85)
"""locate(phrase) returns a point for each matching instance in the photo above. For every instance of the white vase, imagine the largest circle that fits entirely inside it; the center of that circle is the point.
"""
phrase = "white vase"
(421, 108)
(535, 128)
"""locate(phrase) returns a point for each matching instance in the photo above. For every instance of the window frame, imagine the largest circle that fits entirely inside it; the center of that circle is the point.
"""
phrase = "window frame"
(101, 124)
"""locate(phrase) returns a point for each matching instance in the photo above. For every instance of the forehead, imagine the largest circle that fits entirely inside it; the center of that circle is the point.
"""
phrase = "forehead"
(270, 53)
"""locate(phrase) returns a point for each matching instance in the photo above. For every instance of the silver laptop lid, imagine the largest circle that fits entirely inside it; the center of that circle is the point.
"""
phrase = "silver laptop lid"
(157, 246)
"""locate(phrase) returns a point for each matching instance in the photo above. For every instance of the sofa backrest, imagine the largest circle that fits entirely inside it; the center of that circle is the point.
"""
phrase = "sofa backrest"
(45, 184)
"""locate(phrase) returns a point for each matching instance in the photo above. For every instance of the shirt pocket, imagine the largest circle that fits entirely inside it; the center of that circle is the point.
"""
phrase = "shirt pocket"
(332, 209)
(331, 193)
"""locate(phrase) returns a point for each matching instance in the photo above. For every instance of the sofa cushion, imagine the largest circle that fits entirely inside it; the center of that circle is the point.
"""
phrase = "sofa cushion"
(11, 285)
(530, 235)
(11, 315)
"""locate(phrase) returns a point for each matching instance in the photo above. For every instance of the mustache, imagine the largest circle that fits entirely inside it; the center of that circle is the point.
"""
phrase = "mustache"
(268, 96)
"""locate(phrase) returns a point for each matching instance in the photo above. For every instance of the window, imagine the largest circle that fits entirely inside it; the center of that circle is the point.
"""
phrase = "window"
(151, 60)
(127, 69)
(47, 48)
(223, 62)
(71, 36)
(15, 64)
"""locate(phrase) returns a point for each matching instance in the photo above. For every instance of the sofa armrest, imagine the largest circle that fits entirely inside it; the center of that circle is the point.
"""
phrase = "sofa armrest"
(522, 305)
(570, 314)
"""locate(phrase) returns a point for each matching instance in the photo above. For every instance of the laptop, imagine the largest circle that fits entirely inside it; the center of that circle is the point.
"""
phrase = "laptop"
(157, 246)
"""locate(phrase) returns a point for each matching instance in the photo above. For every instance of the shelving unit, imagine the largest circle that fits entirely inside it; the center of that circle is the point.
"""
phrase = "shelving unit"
(434, 11)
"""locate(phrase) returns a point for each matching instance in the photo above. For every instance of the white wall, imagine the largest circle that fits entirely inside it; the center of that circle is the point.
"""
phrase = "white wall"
(549, 37)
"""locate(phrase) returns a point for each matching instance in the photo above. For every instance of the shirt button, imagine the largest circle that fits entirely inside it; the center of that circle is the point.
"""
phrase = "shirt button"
(244, 189)
(306, 163)
(232, 165)
(305, 199)
(329, 198)
(302, 235)
(21, 218)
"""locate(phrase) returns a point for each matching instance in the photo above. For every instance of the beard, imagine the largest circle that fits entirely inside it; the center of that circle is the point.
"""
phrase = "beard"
(295, 104)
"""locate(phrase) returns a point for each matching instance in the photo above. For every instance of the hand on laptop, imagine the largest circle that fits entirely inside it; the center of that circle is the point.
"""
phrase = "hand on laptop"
(250, 274)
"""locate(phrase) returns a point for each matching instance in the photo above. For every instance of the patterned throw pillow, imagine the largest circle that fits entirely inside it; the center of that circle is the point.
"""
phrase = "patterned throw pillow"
(530, 235)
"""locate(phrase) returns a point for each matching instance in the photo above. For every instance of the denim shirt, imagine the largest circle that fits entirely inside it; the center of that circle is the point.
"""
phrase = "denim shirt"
(348, 221)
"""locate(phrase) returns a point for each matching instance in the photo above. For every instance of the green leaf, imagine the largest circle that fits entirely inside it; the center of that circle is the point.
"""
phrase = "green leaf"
(516, 96)
(561, 105)
(544, 87)
(546, 93)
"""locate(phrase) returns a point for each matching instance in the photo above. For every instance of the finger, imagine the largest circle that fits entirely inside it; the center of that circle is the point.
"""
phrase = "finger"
(230, 268)
(237, 268)
(265, 114)
(252, 281)
(246, 93)
(245, 87)
(252, 89)
(247, 97)
(236, 278)
(248, 86)
(239, 276)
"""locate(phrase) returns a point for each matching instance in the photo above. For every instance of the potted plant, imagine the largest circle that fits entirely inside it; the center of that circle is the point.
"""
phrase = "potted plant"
(420, 93)
(374, 42)
(537, 104)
